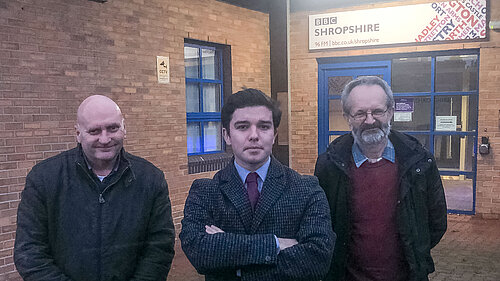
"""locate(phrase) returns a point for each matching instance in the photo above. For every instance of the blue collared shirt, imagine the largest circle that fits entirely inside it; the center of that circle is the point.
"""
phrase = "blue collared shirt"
(262, 172)
(359, 158)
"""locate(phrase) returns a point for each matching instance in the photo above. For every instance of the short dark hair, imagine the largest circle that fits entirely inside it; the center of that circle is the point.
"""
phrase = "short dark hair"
(366, 80)
(247, 98)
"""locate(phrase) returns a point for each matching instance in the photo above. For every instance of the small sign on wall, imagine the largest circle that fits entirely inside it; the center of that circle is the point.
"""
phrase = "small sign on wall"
(163, 69)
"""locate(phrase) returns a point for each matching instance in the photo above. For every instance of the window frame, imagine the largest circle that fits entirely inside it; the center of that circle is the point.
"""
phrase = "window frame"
(202, 117)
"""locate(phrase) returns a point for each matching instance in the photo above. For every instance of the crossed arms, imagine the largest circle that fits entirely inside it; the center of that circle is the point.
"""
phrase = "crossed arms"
(304, 255)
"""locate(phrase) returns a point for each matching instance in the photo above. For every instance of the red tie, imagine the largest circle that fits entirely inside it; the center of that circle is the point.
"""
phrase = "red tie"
(252, 188)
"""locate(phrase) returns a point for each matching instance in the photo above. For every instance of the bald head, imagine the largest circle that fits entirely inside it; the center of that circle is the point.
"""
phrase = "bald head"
(94, 105)
(100, 130)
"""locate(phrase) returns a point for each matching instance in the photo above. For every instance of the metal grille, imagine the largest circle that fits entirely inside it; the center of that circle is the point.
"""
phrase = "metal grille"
(208, 162)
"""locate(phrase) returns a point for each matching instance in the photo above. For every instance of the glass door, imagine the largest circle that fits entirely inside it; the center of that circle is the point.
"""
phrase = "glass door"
(436, 101)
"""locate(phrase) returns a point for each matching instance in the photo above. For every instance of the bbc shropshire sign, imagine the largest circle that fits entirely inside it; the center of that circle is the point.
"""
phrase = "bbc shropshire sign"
(451, 20)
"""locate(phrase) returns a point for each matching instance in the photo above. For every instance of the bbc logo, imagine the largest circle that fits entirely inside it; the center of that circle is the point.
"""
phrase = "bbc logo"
(325, 21)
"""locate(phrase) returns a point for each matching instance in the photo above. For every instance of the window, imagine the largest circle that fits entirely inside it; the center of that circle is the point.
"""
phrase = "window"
(207, 70)
(204, 88)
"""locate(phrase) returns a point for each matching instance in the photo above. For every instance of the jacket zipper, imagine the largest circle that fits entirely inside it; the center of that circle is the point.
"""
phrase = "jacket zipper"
(99, 216)
(101, 195)
(101, 202)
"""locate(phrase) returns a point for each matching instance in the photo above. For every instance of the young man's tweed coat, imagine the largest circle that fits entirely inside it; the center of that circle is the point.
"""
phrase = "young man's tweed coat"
(290, 206)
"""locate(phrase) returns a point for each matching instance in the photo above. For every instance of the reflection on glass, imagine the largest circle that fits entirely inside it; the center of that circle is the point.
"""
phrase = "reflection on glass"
(332, 138)
(454, 152)
(191, 62)
(210, 64)
(211, 97)
(412, 113)
(336, 84)
(456, 73)
(212, 136)
(411, 75)
(192, 98)
(459, 192)
(463, 107)
(336, 119)
(193, 137)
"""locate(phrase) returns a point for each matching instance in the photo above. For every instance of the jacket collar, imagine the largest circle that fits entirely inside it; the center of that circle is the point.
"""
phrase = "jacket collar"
(407, 149)
(122, 166)
(232, 186)
(340, 151)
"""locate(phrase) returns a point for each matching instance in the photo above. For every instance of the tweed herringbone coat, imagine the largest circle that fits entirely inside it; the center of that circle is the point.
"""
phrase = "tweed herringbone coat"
(290, 206)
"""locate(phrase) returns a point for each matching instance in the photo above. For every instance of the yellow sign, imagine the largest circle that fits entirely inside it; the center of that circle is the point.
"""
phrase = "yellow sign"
(163, 69)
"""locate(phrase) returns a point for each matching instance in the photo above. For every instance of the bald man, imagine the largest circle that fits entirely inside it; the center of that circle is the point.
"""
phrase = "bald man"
(95, 212)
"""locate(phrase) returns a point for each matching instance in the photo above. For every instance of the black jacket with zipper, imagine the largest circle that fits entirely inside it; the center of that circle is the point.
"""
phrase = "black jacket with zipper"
(421, 208)
(71, 226)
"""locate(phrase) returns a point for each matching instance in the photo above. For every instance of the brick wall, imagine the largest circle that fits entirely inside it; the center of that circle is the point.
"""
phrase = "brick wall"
(55, 53)
(304, 98)
(488, 166)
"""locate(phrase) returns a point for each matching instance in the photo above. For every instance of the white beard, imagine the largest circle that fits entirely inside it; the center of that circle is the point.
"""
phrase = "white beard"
(372, 136)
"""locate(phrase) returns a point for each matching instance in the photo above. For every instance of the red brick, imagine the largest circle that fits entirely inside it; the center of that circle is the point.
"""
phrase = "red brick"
(8, 181)
(8, 166)
(16, 157)
(32, 140)
(13, 126)
(7, 149)
(7, 197)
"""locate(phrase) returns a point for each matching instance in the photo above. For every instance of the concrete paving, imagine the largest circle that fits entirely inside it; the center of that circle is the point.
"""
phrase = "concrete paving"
(469, 251)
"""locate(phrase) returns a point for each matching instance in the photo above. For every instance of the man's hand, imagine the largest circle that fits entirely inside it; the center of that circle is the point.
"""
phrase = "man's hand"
(286, 243)
(213, 229)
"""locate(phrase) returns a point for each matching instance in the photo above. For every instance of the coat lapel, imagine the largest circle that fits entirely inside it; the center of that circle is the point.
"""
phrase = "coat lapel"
(271, 191)
(232, 187)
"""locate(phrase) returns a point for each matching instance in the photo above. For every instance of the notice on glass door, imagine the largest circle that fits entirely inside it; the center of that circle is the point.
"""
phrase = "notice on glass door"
(402, 116)
(403, 109)
(446, 123)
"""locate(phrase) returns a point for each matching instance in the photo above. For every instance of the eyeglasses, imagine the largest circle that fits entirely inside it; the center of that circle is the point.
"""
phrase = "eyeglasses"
(361, 115)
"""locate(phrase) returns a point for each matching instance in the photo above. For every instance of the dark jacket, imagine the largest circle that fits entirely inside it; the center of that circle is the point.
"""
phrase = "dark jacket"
(290, 206)
(70, 226)
(421, 208)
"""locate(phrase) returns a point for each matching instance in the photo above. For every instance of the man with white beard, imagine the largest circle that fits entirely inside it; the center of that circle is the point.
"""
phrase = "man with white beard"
(384, 190)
